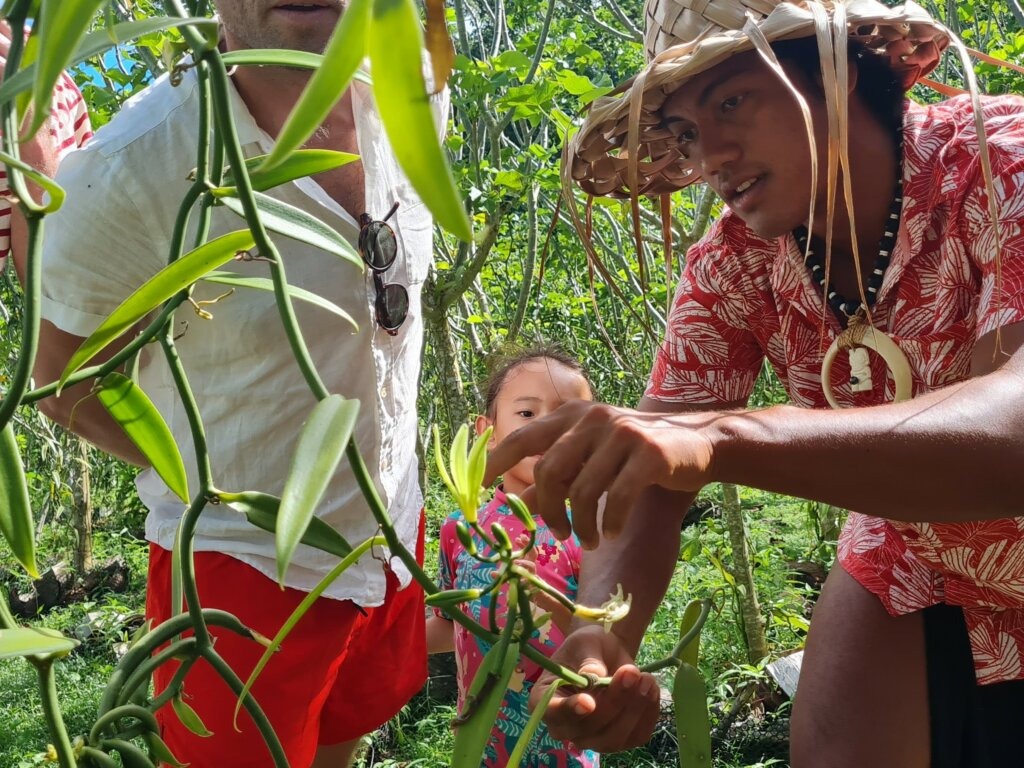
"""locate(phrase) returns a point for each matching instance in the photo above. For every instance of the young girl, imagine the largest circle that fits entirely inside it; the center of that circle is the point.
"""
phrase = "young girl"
(525, 386)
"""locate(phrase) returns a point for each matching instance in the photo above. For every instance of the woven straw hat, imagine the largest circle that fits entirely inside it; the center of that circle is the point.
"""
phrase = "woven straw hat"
(686, 37)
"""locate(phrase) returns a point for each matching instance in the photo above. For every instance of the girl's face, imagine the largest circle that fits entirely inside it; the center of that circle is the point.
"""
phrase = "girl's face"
(532, 389)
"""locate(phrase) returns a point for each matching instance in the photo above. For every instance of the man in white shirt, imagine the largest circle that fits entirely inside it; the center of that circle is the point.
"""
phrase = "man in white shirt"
(356, 658)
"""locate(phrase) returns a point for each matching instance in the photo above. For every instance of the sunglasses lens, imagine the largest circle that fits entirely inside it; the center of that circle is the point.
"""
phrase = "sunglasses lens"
(392, 306)
(378, 245)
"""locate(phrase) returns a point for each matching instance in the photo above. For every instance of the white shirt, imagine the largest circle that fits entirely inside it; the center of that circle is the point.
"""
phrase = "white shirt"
(113, 233)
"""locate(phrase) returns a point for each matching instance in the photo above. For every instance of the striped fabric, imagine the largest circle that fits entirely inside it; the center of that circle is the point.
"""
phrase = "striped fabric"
(69, 126)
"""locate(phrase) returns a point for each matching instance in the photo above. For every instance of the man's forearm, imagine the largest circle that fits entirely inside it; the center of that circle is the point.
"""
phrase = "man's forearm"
(642, 558)
(954, 454)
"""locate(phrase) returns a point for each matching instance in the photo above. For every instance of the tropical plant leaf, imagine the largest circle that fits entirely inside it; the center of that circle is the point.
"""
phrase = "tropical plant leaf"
(261, 509)
(160, 752)
(276, 57)
(297, 224)
(97, 42)
(301, 163)
(189, 717)
(32, 641)
(477, 464)
(299, 612)
(135, 413)
(395, 45)
(15, 507)
(442, 470)
(266, 284)
(320, 448)
(62, 25)
(175, 277)
(341, 59)
(459, 462)
(526, 737)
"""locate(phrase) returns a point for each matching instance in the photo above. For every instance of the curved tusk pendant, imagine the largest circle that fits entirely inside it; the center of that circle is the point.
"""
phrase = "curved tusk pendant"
(866, 336)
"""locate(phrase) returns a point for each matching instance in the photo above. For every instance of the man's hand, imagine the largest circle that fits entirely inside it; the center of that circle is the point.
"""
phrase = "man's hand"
(619, 716)
(590, 449)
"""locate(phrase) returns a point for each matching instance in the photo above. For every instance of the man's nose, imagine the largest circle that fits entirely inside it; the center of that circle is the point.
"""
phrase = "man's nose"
(718, 148)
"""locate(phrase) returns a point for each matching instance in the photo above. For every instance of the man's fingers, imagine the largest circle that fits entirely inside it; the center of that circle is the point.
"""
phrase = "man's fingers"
(558, 469)
(619, 716)
(631, 479)
(533, 439)
(590, 484)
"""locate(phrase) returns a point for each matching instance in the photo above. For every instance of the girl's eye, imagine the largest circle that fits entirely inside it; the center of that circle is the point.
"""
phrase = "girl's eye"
(525, 414)
(731, 103)
(688, 135)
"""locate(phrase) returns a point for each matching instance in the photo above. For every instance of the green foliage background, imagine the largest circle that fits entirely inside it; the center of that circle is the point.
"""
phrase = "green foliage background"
(524, 70)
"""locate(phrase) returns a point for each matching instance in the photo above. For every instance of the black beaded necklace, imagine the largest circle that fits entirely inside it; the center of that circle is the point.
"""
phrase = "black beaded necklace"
(843, 308)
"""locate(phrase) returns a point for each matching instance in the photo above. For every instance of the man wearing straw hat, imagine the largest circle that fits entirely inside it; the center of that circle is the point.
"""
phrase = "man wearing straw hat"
(872, 251)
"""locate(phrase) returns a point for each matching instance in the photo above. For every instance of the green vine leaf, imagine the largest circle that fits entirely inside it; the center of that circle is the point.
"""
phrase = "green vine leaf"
(261, 509)
(175, 277)
(266, 284)
(295, 223)
(135, 413)
(395, 45)
(341, 59)
(62, 25)
(320, 448)
(15, 507)
(276, 57)
(189, 717)
(33, 641)
(300, 611)
(301, 163)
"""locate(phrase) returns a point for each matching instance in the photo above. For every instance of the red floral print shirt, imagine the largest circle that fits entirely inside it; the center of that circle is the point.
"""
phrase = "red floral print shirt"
(743, 299)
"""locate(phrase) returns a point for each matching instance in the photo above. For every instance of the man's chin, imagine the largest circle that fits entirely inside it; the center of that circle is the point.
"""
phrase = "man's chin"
(767, 228)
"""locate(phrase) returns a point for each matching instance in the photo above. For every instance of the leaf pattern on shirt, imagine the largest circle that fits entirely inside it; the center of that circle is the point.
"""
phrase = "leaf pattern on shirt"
(742, 299)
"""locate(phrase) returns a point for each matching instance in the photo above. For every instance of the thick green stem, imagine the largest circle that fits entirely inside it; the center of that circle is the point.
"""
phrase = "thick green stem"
(30, 320)
(251, 706)
(52, 714)
(186, 647)
(222, 109)
(162, 633)
(174, 687)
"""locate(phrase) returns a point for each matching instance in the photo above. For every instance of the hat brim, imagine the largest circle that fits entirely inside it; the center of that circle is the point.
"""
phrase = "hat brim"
(596, 154)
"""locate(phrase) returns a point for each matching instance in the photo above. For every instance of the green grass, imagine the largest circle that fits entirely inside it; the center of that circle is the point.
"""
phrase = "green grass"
(82, 675)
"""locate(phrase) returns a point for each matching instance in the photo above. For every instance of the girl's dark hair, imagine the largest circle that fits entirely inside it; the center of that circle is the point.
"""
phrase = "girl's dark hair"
(877, 84)
(507, 360)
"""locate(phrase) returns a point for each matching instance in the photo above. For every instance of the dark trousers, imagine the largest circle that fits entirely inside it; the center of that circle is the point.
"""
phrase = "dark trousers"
(972, 726)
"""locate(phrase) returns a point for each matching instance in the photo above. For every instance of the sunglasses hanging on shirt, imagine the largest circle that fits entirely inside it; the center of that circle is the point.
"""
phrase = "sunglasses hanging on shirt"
(379, 249)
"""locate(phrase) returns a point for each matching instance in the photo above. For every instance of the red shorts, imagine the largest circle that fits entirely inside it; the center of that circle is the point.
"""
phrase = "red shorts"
(339, 674)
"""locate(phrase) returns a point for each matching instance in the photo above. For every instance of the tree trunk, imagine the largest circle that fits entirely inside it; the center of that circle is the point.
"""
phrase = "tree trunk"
(746, 590)
(452, 389)
(81, 512)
